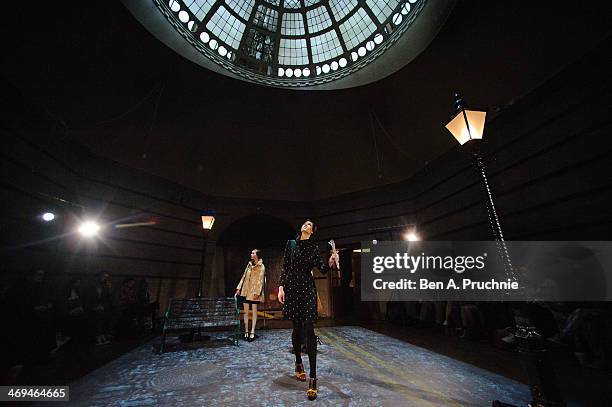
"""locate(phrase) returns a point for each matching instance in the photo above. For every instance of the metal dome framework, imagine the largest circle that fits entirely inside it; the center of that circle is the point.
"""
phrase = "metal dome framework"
(291, 43)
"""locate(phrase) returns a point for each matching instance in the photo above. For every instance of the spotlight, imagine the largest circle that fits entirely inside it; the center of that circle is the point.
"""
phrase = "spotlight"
(48, 216)
(411, 237)
(89, 229)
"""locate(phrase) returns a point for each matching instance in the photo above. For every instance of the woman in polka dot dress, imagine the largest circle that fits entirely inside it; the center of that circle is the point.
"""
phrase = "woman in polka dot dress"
(298, 294)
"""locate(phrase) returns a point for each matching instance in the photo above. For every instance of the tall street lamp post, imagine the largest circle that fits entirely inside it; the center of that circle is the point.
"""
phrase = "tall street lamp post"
(467, 126)
(207, 224)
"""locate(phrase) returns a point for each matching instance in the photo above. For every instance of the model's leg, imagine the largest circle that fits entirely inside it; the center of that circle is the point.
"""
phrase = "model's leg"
(254, 308)
(311, 346)
(296, 339)
(246, 319)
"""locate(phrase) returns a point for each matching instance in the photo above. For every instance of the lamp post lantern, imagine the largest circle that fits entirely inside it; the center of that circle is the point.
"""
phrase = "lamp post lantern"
(467, 126)
(207, 223)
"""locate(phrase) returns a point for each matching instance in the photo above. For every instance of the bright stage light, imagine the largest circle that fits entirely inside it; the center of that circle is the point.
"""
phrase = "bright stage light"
(89, 229)
(411, 237)
(48, 216)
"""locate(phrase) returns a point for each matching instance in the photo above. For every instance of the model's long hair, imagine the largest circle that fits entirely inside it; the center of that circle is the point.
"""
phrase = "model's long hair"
(314, 229)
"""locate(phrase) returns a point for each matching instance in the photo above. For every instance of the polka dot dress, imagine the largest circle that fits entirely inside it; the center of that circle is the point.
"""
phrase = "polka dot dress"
(297, 281)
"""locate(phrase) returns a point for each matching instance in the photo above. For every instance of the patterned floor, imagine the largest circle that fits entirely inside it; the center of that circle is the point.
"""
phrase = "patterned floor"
(356, 367)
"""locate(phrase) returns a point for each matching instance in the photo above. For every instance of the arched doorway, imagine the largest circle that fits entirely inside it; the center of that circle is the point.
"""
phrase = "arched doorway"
(264, 232)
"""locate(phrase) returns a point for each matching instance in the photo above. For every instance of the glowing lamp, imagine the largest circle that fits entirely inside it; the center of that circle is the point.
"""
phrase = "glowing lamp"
(466, 124)
(207, 222)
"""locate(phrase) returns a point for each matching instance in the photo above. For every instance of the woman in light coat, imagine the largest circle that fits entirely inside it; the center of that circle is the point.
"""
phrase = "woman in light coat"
(251, 287)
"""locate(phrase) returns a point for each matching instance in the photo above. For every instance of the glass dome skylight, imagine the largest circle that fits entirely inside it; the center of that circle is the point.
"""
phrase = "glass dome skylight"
(290, 43)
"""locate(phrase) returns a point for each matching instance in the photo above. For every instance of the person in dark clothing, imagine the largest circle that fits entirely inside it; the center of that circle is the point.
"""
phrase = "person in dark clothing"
(145, 308)
(101, 307)
(76, 323)
(128, 306)
(298, 294)
(43, 313)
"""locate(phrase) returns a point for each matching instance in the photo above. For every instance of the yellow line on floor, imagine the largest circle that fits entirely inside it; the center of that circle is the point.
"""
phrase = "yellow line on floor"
(391, 368)
(374, 370)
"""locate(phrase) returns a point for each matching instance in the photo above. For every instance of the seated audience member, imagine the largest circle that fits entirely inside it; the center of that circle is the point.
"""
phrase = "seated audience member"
(43, 313)
(145, 311)
(452, 322)
(587, 329)
(412, 312)
(75, 318)
(472, 321)
(127, 305)
(395, 313)
(101, 308)
(432, 313)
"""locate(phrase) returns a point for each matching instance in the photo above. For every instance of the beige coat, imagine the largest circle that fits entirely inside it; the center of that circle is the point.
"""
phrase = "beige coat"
(252, 281)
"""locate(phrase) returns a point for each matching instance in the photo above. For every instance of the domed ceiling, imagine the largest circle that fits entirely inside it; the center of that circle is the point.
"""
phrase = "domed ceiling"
(125, 95)
(296, 43)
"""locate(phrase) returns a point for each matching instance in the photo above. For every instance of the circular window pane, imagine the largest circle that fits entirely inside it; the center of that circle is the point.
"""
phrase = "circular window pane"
(406, 9)
(297, 73)
(378, 38)
(370, 45)
(354, 56)
(361, 51)
(325, 68)
(318, 70)
(204, 37)
(174, 5)
(397, 19)
(213, 44)
(306, 72)
(183, 16)
(289, 72)
(281, 72)
(342, 62)
(222, 51)
(334, 66)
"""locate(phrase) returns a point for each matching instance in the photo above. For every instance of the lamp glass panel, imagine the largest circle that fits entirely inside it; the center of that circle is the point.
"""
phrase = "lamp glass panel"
(207, 222)
(459, 127)
(476, 119)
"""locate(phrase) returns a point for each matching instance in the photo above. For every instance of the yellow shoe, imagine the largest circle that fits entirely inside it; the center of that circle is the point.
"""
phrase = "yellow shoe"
(311, 393)
(299, 372)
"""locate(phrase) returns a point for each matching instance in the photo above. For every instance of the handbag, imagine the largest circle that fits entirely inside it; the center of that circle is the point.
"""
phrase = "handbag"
(240, 300)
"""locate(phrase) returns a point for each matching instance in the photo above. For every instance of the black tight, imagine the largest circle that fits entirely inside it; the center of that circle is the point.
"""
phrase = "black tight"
(311, 344)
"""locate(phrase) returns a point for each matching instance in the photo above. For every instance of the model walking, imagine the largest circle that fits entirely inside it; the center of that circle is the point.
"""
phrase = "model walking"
(298, 294)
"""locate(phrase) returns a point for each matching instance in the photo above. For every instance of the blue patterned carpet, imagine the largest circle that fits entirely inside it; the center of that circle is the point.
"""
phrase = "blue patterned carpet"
(356, 367)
